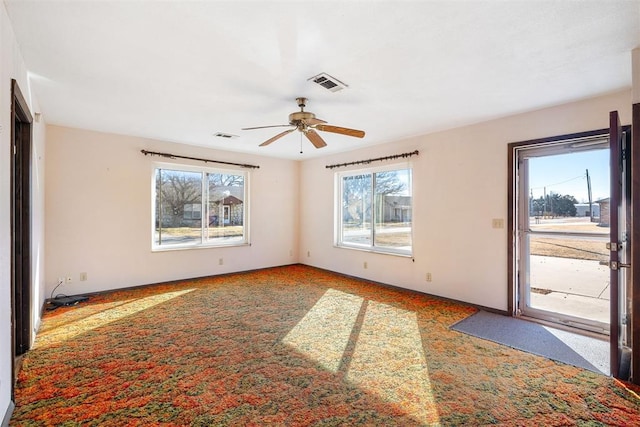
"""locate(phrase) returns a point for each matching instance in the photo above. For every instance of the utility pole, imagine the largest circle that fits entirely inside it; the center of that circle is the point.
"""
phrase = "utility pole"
(589, 194)
(531, 202)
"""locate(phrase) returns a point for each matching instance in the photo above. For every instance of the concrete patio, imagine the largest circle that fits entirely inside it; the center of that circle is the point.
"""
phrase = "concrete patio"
(577, 287)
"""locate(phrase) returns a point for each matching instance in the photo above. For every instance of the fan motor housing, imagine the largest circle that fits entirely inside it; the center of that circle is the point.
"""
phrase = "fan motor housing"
(300, 116)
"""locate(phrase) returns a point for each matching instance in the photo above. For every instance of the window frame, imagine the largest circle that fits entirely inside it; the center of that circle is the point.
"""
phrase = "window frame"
(204, 242)
(338, 210)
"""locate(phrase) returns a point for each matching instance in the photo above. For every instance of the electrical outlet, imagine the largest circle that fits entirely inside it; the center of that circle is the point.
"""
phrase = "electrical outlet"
(220, 261)
(308, 254)
(83, 277)
(366, 265)
(428, 278)
(60, 280)
(69, 279)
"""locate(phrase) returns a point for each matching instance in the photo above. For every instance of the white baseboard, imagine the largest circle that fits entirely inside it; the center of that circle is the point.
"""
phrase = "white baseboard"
(7, 414)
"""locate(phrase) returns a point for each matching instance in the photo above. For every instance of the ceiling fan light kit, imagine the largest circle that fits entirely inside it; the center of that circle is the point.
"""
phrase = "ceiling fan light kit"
(307, 123)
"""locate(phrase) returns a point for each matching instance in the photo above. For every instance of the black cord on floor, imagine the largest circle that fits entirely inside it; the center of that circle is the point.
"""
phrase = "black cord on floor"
(54, 289)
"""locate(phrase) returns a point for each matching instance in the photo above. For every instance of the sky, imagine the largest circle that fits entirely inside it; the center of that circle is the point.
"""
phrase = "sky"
(566, 174)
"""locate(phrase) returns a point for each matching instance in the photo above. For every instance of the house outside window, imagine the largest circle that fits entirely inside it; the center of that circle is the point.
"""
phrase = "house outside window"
(198, 207)
(374, 209)
(193, 211)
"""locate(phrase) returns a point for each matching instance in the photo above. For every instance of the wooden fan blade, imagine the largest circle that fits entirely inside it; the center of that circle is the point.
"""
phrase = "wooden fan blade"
(337, 129)
(264, 127)
(278, 136)
(314, 121)
(315, 139)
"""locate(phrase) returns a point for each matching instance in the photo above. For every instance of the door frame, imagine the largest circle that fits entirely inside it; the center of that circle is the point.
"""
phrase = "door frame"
(635, 244)
(512, 202)
(526, 232)
(20, 225)
(512, 250)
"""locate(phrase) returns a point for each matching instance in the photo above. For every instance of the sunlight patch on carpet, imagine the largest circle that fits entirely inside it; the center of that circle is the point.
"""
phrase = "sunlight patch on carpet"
(323, 333)
(389, 361)
(73, 329)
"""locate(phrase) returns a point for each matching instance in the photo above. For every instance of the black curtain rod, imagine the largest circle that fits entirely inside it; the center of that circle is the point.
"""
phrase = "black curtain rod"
(366, 162)
(175, 156)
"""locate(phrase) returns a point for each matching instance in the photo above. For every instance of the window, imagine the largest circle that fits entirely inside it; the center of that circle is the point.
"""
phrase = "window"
(193, 211)
(199, 207)
(374, 210)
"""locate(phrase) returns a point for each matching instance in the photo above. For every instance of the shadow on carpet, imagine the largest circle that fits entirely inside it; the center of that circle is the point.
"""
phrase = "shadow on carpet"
(555, 344)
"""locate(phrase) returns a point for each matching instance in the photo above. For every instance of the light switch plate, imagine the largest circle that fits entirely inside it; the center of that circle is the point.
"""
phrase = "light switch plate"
(497, 223)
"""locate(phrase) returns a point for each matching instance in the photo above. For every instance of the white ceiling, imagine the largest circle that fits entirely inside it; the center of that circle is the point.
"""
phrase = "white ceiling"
(182, 71)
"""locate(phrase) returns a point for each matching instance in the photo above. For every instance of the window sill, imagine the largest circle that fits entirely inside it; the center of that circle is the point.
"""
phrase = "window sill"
(375, 251)
(196, 247)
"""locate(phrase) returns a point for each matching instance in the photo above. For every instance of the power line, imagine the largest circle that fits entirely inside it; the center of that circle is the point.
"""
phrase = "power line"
(557, 183)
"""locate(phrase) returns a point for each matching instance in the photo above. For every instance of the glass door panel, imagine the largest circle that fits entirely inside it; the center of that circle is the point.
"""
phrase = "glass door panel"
(563, 232)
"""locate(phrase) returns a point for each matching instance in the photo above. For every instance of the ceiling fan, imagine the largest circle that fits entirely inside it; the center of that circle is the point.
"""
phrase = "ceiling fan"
(307, 123)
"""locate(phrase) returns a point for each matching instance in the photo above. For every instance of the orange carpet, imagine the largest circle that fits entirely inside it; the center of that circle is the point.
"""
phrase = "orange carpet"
(294, 346)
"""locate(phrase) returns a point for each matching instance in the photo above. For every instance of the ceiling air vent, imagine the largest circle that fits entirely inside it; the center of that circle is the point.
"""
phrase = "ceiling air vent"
(224, 135)
(330, 83)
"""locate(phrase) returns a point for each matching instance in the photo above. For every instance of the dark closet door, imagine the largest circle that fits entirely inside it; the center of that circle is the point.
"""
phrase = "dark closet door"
(20, 223)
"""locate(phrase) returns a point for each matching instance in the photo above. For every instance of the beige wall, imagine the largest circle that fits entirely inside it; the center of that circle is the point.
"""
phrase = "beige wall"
(635, 74)
(460, 185)
(12, 67)
(98, 208)
(98, 213)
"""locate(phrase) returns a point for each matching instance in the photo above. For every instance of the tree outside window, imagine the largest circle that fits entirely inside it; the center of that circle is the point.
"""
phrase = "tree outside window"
(199, 208)
(376, 210)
